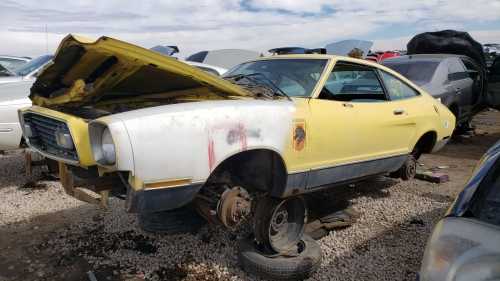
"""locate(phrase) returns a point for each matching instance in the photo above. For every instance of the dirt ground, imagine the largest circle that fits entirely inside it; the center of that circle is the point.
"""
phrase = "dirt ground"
(45, 235)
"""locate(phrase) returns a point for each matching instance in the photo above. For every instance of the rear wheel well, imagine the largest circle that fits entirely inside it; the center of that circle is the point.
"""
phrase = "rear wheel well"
(259, 169)
(425, 144)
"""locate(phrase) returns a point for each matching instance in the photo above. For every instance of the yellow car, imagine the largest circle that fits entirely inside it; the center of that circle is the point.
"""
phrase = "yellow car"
(270, 129)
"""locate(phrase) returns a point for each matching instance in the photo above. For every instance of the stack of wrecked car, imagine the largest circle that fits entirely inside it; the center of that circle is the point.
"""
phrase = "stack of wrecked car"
(169, 138)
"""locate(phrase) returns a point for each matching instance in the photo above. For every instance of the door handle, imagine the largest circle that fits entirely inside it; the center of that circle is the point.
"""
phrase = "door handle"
(399, 111)
(458, 90)
(348, 104)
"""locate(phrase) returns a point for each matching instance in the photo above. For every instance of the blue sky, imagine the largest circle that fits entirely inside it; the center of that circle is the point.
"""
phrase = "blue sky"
(251, 24)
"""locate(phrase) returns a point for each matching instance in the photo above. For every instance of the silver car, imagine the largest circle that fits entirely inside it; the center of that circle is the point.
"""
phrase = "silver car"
(465, 244)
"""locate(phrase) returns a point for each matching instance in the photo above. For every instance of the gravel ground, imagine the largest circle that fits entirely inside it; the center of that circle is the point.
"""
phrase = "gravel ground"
(46, 235)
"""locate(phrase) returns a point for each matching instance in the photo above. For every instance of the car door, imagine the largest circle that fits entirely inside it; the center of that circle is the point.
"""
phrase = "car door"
(461, 84)
(493, 94)
(355, 130)
(352, 119)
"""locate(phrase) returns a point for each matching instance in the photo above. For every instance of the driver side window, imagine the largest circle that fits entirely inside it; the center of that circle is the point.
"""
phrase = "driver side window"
(397, 89)
(352, 82)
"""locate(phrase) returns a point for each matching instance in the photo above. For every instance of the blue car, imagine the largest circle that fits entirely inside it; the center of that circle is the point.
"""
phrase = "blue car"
(465, 244)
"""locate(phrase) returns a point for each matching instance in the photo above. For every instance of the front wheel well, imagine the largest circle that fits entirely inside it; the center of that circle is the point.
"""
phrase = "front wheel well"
(425, 144)
(258, 169)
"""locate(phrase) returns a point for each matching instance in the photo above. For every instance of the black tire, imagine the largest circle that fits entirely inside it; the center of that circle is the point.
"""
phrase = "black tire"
(289, 232)
(277, 267)
(409, 169)
(177, 221)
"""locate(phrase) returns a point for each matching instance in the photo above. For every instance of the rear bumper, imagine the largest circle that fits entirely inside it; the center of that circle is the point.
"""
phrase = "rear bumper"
(162, 199)
(440, 144)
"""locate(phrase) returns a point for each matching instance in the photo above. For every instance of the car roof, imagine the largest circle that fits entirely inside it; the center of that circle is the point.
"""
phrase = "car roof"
(320, 56)
(425, 57)
(346, 59)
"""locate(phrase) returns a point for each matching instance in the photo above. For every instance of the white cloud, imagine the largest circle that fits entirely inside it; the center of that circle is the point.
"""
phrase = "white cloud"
(250, 24)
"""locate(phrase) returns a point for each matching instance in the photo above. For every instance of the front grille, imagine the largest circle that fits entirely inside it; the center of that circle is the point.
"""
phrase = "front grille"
(44, 138)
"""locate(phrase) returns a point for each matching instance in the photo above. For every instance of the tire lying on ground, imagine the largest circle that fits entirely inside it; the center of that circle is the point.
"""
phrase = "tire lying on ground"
(277, 267)
(177, 221)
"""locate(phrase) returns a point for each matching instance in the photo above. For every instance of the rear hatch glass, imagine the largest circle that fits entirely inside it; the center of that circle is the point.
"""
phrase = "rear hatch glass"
(419, 72)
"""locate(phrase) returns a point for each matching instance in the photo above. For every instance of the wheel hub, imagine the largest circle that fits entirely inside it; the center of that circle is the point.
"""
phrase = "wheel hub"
(279, 224)
(234, 206)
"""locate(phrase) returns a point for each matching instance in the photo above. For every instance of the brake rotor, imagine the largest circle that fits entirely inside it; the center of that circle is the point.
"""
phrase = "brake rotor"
(234, 206)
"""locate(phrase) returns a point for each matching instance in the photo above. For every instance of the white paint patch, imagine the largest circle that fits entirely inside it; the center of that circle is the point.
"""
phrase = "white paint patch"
(189, 140)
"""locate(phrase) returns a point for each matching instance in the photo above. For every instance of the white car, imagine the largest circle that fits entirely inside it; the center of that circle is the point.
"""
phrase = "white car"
(11, 63)
(28, 71)
(12, 97)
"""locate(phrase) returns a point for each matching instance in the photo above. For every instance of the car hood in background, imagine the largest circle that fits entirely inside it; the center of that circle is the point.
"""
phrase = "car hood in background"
(342, 48)
(10, 79)
(85, 70)
(225, 58)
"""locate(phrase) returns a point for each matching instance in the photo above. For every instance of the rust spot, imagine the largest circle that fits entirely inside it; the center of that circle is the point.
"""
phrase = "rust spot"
(299, 137)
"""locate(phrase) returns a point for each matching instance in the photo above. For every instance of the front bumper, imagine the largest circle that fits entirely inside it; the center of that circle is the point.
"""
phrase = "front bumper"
(78, 128)
(162, 199)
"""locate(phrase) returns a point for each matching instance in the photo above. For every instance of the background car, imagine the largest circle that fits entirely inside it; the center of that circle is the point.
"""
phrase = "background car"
(493, 95)
(14, 92)
(12, 97)
(28, 71)
(12, 63)
(381, 56)
(457, 81)
(225, 58)
(465, 244)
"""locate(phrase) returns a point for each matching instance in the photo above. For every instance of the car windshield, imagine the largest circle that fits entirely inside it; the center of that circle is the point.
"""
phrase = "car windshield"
(12, 64)
(293, 77)
(419, 72)
(33, 65)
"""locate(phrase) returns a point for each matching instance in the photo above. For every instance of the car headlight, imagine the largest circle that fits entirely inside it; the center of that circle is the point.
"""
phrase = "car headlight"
(108, 148)
(28, 131)
(63, 139)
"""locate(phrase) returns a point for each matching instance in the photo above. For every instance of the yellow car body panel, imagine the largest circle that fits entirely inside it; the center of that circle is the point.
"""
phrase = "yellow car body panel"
(79, 130)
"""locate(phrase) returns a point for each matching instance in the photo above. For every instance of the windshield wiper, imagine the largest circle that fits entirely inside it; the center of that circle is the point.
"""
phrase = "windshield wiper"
(271, 85)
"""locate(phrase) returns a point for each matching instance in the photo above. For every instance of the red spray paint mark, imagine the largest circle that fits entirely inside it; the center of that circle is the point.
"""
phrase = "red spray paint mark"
(211, 154)
(243, 136)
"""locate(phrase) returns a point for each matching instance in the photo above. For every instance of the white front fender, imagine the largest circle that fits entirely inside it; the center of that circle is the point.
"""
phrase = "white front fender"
(189, 140)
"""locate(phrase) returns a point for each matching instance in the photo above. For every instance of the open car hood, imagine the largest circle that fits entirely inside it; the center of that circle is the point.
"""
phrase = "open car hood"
(86, 71)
